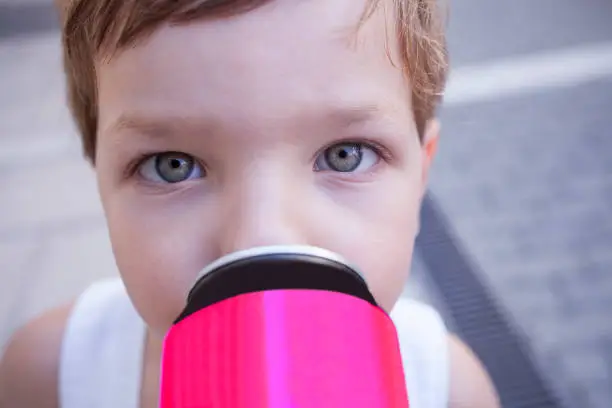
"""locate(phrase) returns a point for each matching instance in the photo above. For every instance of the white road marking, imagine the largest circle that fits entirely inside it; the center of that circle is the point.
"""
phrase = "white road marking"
(15, 153)
(527, 74)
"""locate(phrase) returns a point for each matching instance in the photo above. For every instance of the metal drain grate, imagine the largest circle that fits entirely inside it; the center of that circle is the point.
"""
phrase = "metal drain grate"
(479, 321)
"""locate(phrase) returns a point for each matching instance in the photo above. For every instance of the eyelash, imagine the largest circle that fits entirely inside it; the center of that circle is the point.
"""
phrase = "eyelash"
(133, 166)
(378, 148)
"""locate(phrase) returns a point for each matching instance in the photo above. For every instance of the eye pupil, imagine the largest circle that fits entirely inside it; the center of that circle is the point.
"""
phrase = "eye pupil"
(345, 157)
(174, 167)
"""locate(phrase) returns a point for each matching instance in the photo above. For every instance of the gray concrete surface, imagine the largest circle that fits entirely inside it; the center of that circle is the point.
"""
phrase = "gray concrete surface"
(535, 179)
(482, 30)
(527, 183)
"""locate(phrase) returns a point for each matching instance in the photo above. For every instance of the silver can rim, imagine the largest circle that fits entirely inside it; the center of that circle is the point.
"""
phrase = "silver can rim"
(277, 250)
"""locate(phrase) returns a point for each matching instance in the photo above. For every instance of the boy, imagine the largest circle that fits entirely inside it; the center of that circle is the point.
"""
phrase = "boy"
(218, 125)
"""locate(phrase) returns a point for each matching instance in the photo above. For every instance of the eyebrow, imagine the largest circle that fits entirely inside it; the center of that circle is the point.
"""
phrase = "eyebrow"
(155, 126)
(355, 114)
(159, 126)
(366, 115)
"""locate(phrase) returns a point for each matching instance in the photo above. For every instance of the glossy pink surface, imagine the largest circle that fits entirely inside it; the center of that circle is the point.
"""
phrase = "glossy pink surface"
(284, 349)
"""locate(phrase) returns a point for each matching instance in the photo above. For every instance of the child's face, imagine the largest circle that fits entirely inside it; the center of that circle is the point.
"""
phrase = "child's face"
(279, 126)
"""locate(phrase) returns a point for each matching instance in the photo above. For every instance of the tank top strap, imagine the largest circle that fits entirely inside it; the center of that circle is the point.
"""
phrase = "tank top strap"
(424, 347)
(102, 350)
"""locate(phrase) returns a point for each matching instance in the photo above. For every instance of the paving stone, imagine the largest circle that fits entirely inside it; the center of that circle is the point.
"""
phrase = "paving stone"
(39, 197)
(483, 30)
(535, 180)
(66, 264)
(22, 18)
(15, 259)
(32, 105)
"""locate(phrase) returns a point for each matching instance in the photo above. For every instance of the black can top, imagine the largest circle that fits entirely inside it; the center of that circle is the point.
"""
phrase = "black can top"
(275, 267)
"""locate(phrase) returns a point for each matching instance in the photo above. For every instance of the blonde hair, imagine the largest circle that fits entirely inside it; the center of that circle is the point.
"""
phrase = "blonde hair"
(98, 28)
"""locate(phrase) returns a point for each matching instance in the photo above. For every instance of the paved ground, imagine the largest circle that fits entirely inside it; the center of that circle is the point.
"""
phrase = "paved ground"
(534, 176)
(524, 177)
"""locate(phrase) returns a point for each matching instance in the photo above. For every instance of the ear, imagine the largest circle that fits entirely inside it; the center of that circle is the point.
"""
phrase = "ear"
(429, 147)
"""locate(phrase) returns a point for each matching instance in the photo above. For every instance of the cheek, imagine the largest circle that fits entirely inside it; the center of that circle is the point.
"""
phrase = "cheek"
(380, 239)
(386, 262)
(159, 252)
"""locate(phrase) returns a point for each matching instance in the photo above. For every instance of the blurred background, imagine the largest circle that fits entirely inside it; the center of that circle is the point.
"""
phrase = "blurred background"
(516, 247)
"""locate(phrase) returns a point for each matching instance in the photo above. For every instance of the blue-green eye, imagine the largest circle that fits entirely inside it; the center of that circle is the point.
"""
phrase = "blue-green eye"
(347, 158)
(170, 167)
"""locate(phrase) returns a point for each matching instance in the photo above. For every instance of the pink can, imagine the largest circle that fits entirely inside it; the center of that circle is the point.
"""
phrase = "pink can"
(282, 327)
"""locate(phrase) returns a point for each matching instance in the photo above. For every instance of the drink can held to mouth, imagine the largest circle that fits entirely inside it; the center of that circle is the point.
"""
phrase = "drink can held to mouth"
(282, 327)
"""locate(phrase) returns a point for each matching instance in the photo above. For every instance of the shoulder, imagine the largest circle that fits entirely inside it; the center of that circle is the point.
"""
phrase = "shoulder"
(423, 344)
(470, 385)
(418, 320)
(29, 366)
(423, 340)
(454, 375)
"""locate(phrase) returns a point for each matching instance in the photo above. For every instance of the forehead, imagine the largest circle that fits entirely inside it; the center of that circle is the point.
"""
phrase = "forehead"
(286, 57)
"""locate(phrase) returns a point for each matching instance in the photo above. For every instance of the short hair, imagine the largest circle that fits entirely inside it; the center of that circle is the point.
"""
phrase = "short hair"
(92, 29)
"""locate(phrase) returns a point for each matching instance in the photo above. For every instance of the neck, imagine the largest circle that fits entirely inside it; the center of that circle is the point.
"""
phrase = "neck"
(149, 395)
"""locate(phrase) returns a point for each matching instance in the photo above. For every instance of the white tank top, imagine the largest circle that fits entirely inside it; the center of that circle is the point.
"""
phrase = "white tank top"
(102, 351)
